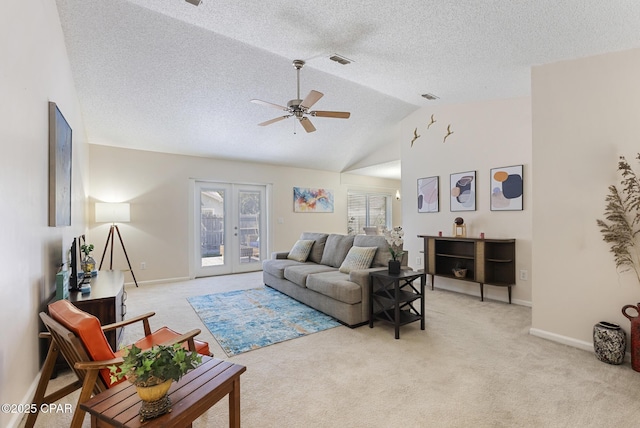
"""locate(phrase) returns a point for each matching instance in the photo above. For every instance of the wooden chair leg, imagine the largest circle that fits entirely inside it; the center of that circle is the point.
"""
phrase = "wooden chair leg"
(45, 376)
(85, 394)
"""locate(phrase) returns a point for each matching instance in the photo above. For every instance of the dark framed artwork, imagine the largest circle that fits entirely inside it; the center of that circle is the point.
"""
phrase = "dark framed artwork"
(463, 191)
(506, 188)
(429, 195)
(59, 168)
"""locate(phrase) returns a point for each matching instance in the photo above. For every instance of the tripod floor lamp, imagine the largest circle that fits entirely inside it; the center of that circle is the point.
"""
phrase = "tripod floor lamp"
(113, 213)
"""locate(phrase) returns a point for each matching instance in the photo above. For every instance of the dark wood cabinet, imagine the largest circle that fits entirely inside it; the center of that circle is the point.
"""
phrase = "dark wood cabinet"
(106, 301)
(487, 261)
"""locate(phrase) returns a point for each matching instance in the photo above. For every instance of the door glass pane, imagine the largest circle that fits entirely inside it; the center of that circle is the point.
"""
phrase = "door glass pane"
(249, 209)
(212, 227)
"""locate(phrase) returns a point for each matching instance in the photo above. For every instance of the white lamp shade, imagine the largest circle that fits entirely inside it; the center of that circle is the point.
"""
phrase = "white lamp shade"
(112, 213)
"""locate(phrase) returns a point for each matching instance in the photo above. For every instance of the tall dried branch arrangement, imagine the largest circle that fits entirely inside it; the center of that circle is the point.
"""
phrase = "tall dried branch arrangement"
(622, 215)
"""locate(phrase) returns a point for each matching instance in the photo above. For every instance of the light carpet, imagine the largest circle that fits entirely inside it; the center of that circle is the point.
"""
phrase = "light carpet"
(244, 320)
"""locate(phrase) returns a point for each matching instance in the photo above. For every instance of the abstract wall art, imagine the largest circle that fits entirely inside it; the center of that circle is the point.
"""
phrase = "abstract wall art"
(506, 188)
(463, 191)
(306, 200)
(59, 168)
(428, 195)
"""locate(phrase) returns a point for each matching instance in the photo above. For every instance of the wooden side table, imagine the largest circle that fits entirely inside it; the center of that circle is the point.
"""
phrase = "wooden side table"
(192, 396)
(391, 298)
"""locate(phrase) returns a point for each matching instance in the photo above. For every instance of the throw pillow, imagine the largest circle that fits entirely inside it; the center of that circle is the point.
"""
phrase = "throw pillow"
(358, 258)
(300, 250)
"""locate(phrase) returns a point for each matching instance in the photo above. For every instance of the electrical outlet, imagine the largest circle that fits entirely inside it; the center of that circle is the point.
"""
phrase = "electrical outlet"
(143, 265)
(418, 260)
(524, 275)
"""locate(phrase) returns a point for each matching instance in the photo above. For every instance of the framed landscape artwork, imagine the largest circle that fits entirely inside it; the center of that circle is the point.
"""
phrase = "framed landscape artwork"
(59, 168)
(506, 188)
(306, 200)
(463, 191)
(428, 195)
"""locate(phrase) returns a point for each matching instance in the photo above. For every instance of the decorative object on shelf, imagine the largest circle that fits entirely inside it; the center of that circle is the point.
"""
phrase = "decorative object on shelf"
(459, 272)
(609, 342)
(623, 216)
(306, 200)
(459, 228)
(152, 372)
(395, 239)
(506, 188)
(634, 334)
(463, 191)
(88, 264)
(429, 195)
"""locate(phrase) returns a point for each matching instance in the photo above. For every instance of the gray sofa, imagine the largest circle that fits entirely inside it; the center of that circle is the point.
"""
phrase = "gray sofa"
(318, 283)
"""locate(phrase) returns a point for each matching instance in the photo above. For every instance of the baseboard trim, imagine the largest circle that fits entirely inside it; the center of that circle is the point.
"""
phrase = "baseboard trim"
(158, 281)
(16, 419)
(565, 340)
(488, 295)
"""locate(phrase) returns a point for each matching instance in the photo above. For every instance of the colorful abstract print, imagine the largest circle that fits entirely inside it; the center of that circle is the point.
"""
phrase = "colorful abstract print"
(312, 200)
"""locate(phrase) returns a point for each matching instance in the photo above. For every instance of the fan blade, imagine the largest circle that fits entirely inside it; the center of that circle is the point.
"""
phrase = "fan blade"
(265, 103)
(307, 125)
(277, 119)
(336, 114)
(311, 99)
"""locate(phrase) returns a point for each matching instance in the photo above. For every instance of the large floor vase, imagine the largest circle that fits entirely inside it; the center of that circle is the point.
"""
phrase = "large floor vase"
(609, 342)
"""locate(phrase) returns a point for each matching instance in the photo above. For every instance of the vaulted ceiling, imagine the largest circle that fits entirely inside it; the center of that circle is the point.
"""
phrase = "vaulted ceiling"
(164, 75)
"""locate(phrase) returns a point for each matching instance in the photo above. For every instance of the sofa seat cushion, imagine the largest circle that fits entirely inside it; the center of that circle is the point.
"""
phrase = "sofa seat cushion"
(276, 267)
(298, 274)
(335, 285)
(336, 249)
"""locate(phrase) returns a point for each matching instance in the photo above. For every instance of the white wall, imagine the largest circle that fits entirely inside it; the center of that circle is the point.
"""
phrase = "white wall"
(486, 135)
(586, 113)
(157, 186)
(34, 70)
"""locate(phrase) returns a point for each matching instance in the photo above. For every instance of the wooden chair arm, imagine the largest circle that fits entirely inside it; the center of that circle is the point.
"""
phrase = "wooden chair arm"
(144, 318)
(97, 365)
(44, 335)
(186, 337)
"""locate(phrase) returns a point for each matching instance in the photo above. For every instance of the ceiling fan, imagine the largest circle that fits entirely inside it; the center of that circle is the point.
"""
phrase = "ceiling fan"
(299, 108)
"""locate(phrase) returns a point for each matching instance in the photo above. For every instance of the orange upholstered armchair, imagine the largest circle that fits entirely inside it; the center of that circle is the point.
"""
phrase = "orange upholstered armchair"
(81, 340)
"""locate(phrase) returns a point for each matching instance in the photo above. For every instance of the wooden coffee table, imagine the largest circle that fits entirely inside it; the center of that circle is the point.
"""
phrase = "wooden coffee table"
(193, 395)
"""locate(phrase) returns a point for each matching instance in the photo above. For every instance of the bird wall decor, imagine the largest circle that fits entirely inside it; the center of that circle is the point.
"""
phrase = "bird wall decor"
(432, 122)
(449, 132)
(415, 136)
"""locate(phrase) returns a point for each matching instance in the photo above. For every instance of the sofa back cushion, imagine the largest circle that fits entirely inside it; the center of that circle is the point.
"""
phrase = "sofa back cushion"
(383, 255)
(317, 249)
(336, 249)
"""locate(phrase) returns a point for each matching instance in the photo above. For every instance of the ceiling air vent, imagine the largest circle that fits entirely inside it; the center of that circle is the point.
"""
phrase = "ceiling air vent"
(430, 97)
(340, 59)
(194, 2)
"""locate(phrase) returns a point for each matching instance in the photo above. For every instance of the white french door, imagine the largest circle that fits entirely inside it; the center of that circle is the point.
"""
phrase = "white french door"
(229, 228)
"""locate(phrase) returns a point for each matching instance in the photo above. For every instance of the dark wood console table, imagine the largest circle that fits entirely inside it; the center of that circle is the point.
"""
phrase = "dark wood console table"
(106, 301)
(488, 261)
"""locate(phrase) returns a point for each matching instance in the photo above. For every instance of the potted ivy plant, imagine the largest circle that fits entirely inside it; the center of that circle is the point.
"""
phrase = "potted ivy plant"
(152, 372)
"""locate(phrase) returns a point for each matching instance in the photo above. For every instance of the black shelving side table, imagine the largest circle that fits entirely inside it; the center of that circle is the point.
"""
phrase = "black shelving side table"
(392, 298)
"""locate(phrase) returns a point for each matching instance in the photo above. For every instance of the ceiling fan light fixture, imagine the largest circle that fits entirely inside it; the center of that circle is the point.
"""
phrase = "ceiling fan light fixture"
(340, 59)
(430, 97)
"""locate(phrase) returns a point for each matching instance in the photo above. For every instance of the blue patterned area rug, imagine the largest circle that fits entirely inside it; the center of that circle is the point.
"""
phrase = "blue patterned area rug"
(244, 320)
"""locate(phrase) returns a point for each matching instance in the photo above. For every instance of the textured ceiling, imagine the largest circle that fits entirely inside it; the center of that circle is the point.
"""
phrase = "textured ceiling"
(163, 75)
